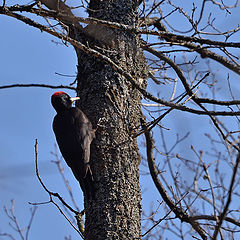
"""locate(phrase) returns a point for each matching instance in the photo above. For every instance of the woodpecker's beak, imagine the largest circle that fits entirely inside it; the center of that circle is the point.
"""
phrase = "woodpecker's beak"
(73, 99)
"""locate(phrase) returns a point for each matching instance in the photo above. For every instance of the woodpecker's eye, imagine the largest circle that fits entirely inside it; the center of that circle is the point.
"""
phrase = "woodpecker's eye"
(65, 98)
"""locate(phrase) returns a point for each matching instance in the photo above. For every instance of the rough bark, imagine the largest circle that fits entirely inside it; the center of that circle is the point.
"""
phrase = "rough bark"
(116, 212)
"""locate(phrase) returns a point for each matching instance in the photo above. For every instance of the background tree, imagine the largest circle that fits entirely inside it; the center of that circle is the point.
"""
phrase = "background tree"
(189, 115)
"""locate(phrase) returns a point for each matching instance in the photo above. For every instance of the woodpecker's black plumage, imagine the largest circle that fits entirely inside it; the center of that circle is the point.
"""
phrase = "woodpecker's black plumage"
(74, 134)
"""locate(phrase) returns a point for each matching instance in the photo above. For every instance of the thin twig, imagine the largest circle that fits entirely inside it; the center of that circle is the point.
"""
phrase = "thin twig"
(37, 85)
(118, 69)
(154, 173)
(229, 199)
(33, 211)
(123, 27)
(55, 194)
(165, 216)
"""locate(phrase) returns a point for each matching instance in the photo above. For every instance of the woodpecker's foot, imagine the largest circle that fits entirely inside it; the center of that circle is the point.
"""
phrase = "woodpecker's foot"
(87, 169)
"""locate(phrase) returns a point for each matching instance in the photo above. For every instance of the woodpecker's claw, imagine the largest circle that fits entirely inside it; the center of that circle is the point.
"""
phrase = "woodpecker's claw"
(86, 169)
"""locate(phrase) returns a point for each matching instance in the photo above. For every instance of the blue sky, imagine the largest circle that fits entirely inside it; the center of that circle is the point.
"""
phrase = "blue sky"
(30, 56)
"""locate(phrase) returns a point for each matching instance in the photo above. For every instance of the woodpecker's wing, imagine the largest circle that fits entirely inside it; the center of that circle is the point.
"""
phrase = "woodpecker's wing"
(74, 135)
(67, 138)
(85, 136)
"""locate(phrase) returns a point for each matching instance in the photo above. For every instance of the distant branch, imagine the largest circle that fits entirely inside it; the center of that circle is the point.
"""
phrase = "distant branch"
(203, 51)
(229, 199)
(213, 218)
(60, 7)
(14, 223)
(163, 218)
(123, 27)
(37, 85)
(182, 215)
(116, 67)
(77, 214)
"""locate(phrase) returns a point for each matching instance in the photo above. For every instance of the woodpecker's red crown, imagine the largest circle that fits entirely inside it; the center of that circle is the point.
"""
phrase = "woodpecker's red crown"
(56, 94)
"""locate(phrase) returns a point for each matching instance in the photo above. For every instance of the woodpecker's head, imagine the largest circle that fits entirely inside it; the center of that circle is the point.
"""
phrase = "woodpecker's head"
(62, 101)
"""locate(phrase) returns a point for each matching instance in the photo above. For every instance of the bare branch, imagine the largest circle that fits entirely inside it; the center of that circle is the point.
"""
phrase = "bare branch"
(33, 211)
(37, 85)
(56, 195)
(210, 217)
(182, 215)
(229, 199)
(123, 27)
(166, 215)
(60, 7)
(14, 223)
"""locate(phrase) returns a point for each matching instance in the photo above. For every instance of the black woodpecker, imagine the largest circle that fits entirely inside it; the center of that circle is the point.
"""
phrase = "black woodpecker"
(74, 134)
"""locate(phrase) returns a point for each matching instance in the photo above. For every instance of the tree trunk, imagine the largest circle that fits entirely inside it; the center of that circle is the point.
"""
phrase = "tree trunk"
(106, 95)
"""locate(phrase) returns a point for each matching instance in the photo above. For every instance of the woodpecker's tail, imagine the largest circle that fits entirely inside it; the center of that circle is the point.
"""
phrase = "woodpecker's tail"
(88, 186)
